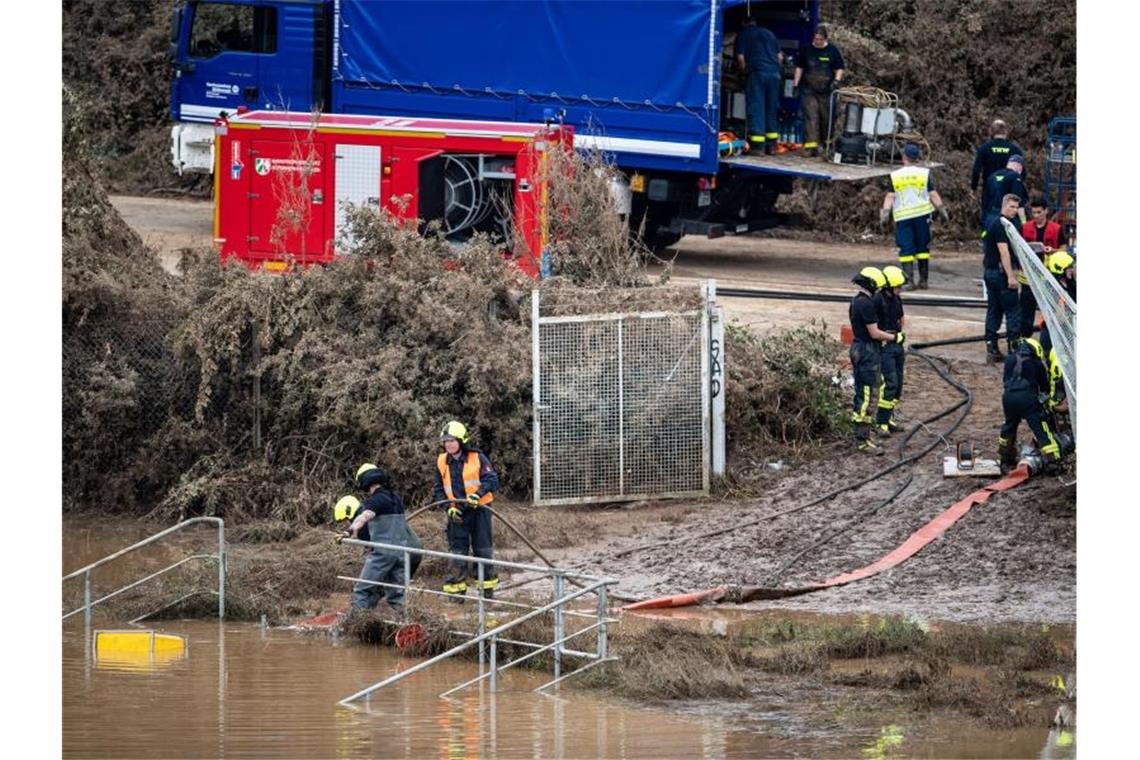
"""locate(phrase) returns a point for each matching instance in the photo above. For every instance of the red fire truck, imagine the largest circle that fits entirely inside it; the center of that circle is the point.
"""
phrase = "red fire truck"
(284, 182)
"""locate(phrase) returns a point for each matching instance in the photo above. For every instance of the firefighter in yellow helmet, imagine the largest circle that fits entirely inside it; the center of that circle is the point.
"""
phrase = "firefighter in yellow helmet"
(866, 353)
(380, 518)
(888, 304)
(1026, 387)
(465, 476)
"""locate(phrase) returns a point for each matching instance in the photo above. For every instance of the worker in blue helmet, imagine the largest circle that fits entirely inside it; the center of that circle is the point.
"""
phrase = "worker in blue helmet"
(910, 199)
(466, 479)
(378, 517)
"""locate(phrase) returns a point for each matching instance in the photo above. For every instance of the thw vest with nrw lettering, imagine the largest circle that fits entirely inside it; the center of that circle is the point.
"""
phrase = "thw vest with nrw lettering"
(911, 196)
(471, 480)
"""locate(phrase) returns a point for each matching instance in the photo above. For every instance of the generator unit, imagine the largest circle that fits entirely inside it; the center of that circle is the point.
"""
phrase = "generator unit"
(285, 182)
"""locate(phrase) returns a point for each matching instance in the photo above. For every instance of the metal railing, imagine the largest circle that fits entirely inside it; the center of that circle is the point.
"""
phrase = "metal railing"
(88, 603)
(486, 640)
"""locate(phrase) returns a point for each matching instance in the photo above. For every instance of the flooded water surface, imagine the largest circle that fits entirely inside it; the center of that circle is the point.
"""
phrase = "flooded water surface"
(241, 691)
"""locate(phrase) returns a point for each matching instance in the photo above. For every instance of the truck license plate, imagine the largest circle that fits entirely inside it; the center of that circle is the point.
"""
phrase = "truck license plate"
(705, 198)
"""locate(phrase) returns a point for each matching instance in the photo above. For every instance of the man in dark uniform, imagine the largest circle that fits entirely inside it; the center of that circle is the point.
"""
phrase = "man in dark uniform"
(1000, 184)
(465, 476)
(999, 272)
(865, 353)
(820, 69)
(1026, 382)
(993, 154)
(888, 304)
(758, 55)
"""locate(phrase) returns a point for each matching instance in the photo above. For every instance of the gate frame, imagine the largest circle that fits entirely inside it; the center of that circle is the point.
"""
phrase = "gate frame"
(712, 404)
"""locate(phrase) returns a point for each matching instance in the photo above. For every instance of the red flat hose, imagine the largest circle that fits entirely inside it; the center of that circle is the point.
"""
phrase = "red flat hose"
(919, 539)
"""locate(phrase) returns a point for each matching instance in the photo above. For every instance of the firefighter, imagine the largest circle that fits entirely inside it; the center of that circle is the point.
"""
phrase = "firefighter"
(1063, 265)
(993, 154)
(820, 68)
(465, 476)
(1026, 388)
(1000, 184)
(758, 55)
(379, 518)
(889, 306)
(911, 199)
(865, 353)
(999, 272)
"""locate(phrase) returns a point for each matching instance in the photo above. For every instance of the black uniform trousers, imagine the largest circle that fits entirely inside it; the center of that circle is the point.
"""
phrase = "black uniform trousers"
(890, 390)
(471, 536)
(1023, 404)
(1028, 304)
(1001, 301)
(865, 358)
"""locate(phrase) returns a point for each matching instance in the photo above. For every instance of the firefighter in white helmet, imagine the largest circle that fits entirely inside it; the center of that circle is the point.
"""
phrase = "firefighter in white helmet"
(464, 476)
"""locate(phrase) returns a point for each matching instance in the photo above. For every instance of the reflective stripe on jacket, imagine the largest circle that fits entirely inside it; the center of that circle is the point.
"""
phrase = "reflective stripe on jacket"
(912, 198)
(471, 481)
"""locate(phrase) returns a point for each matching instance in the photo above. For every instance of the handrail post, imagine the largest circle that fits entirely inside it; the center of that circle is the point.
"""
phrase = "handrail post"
(221, 571)
(87, 599)
(407, 581)
(603, 610)
(482, 615)
(558, 624)
(494, 661)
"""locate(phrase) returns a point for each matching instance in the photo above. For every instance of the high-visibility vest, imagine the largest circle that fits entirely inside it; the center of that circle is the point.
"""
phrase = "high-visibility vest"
(471, 480)
(911, 196)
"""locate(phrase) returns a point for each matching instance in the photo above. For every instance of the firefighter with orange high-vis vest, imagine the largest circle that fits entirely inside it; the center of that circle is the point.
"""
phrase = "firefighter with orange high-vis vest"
(465, 475)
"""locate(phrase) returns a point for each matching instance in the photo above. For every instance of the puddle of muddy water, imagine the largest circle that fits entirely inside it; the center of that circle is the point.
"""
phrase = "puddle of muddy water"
(244, 691)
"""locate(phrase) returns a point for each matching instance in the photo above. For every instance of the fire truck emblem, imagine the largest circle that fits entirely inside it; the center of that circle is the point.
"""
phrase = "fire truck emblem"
(261, 166)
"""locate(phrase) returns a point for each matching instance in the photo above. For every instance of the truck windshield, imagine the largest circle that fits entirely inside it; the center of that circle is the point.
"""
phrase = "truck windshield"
(228, 27)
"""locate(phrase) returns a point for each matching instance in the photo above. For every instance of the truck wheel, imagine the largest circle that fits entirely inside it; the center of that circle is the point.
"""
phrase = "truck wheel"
(651, 221)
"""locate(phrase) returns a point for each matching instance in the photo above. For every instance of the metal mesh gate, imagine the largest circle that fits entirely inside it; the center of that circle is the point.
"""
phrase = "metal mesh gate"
(621, 406)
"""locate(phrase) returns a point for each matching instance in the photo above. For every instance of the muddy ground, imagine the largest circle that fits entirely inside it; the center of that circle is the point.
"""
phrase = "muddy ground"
(1012, 559)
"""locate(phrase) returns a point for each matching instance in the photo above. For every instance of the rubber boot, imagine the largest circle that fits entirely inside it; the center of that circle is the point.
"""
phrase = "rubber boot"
(895, 427)
(770, 147)
(923, 273)
(993, 353)
(908, 270)
(863, 441)
(1007, 455)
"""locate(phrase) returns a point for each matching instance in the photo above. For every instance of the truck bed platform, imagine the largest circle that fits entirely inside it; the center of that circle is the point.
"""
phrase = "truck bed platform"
(798, 165)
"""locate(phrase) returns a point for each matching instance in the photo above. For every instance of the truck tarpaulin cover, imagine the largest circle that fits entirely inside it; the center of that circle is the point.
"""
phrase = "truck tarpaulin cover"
(626, 49)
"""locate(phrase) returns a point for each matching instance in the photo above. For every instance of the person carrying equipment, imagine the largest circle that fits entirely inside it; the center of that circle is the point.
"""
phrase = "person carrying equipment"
(1025, 380)
(465, 476)
(865, 353)
(379, 518)
(889, 306)
(911, 199)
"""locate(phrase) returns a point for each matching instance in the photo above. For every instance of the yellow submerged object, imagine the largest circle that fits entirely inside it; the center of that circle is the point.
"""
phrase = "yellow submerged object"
(137, 650)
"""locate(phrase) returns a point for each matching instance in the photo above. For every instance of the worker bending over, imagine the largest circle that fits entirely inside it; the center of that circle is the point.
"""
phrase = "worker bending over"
(889, 306)
(865, 353)
(1026, 386)
(379, 518)
(466, 478)
(911, 199)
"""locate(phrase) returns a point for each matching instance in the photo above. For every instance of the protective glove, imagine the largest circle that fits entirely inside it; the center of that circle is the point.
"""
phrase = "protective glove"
(454, 513)
(473, 499)
(944, 213)
(884, 215)
(900, 337)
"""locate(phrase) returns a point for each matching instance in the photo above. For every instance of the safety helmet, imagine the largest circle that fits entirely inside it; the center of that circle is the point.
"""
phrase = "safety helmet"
(895, 276)
(346, 508)
(870, 278)
(456, 430)
(1059, 261)
(1035, 344)
(368, 475)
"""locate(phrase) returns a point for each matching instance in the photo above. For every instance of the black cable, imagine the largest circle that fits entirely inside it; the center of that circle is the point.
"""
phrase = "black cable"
(790, 295)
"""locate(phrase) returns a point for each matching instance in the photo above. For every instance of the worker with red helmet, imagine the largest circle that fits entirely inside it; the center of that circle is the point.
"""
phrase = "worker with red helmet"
(465, 478)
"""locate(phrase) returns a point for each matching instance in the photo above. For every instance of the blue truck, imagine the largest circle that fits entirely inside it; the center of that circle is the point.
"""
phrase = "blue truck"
(650, 84)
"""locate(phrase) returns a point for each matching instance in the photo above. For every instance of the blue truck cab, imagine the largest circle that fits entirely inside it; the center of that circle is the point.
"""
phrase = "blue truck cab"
(649, 84)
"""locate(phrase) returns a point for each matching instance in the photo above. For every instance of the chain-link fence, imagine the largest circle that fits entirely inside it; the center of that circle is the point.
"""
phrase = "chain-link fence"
(1059, 310)
(621, 405)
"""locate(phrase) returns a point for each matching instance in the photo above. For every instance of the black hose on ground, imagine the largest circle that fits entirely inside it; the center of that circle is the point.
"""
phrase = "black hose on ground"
(951, 342)
(790, 295)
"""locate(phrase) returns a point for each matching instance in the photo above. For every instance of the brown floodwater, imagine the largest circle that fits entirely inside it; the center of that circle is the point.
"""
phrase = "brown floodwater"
(240, 690)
